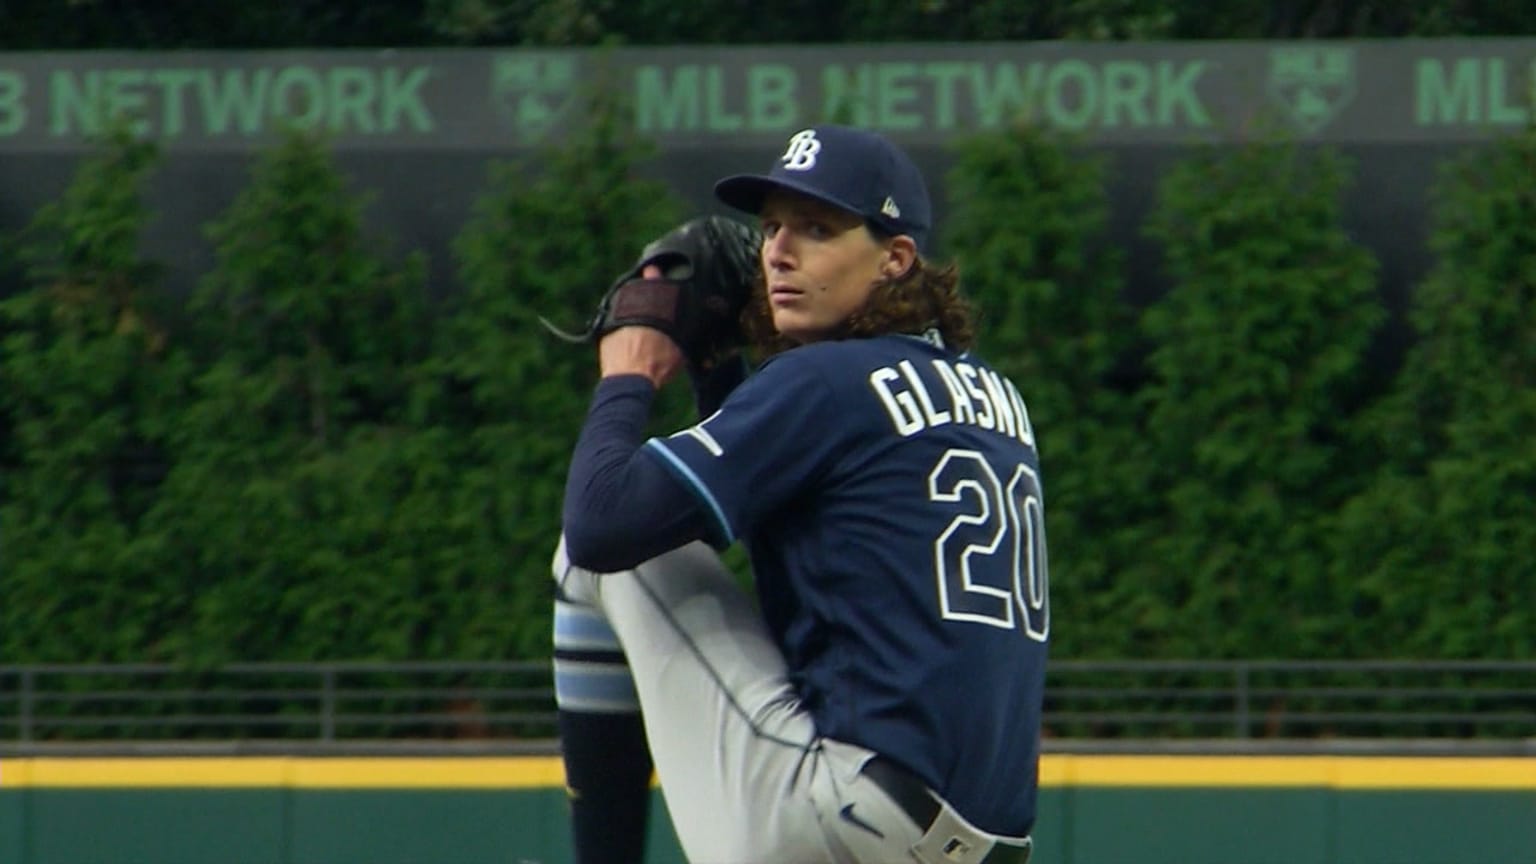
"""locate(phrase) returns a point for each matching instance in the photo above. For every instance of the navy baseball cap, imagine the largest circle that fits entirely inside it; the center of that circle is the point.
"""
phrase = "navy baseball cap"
(853, 169)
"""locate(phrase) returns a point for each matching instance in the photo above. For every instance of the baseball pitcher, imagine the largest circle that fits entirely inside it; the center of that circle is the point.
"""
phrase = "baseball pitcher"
(879, 699)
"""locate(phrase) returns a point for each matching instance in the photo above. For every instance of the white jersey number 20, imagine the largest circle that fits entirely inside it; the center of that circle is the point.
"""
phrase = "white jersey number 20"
(990, 562)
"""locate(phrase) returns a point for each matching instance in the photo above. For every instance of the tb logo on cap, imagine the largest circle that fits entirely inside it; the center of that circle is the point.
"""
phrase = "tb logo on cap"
(801, 155)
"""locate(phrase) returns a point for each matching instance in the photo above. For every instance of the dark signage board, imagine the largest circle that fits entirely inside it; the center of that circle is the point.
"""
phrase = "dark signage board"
(417, 127)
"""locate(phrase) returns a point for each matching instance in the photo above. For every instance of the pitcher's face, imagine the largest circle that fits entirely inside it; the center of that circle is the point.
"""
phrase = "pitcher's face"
(820, 263)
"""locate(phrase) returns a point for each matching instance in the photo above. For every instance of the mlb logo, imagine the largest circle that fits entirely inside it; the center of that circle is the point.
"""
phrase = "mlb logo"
(955, 849)
(1312, 84)
(533, 92)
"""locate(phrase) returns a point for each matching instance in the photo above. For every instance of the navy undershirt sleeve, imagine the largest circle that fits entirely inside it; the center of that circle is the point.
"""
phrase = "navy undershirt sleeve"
(621, 506)
(710, 388)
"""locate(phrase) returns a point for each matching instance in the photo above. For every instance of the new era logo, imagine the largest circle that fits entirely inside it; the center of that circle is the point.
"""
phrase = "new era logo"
(956, 848)
(890, 209)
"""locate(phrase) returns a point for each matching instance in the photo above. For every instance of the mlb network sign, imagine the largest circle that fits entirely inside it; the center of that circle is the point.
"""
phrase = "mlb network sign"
(493, 100)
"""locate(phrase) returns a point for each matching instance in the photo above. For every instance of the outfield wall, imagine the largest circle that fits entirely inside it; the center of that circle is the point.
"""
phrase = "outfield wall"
(492, 810)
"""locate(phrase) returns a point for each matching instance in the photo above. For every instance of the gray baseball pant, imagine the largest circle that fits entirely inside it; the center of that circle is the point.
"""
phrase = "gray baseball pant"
(745, 775)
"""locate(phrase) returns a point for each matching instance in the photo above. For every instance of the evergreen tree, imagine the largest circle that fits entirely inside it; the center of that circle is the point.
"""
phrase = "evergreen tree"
(1029, 232)
(1256, 360)
(1440, 546)
(545, 239)
(86, 365)
(305, 344)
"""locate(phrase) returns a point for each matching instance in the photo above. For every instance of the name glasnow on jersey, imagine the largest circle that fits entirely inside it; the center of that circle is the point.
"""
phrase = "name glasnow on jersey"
(971, 395)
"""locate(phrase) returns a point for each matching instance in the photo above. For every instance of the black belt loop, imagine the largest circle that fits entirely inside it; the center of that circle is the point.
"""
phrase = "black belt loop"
(912, 796)
(907, 791)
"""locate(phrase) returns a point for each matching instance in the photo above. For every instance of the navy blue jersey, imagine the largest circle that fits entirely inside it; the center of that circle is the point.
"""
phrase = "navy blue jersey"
(888, 492)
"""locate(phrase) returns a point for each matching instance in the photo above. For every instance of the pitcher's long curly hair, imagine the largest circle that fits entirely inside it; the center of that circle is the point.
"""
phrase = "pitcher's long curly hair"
(926, 297)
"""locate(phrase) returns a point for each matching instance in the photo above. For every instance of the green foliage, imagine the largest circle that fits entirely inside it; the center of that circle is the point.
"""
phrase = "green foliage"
(1029, 229)
(546, 239)
(307, 327)
(305, 345)
(1440, 544)
(93, 24)
(564, 22)
(1256, 362)
(84, 373)
(313, 462)
(318, 463)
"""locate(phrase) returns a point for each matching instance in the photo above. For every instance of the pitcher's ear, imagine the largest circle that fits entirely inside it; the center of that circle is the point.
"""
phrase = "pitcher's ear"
(900, 254)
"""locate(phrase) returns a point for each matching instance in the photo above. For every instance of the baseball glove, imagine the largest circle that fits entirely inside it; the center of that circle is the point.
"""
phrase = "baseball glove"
(708, 266)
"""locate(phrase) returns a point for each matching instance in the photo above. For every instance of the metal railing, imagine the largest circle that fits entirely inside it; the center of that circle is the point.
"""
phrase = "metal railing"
(1265, 699)
(323, 702)
(510, 705)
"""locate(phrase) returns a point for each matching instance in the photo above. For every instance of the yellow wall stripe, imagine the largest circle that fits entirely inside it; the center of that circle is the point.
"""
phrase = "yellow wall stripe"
(452, 773)
(470, 772)
(223, 772)
(1387, 773)
(1336, 772)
